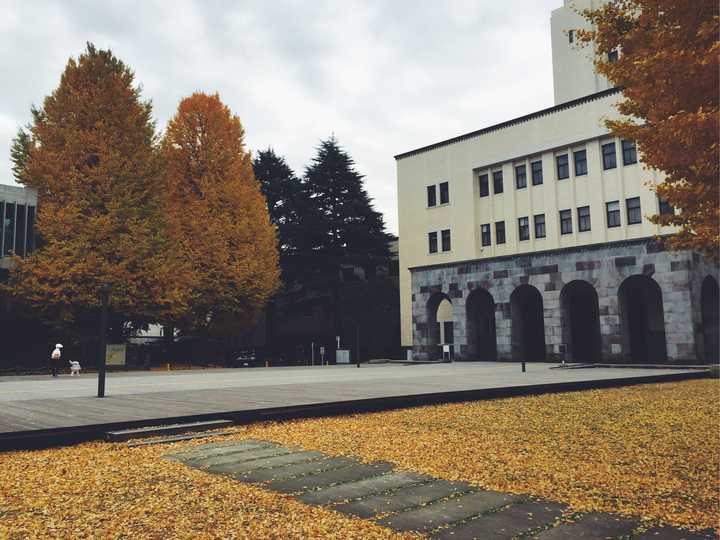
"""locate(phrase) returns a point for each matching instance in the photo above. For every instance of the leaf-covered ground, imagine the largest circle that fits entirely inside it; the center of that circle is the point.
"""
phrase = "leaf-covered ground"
(106, 491)
(651, 451)
(646, 450)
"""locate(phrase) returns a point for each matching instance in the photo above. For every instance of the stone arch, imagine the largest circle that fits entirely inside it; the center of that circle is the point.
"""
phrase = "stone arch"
(528, 324)
(440, 324)
(481, 336)
(581, 321)
(710, 313)
(643, 320)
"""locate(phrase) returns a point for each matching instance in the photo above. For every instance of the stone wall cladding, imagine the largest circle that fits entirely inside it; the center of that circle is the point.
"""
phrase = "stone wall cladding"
(605, 267)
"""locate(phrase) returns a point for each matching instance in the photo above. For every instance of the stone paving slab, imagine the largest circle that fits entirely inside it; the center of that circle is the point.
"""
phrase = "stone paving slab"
(363, 488)
(591, 526)
(294, 469)
(353, 473)
(403, 498)
(219, 449)
(238, 468)
(517, 519)
(204, 462)
(437, 514)
(406, 501)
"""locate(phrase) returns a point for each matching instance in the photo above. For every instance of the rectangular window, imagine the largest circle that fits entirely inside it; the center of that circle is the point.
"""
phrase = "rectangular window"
(432, 242)
(444, 193)
(30, 236)
(665, 207)
(613, 56)
(9, 228)
(580, 159)
(565, 222)
(540, 226)
(485, 234)
(608, 156)
(431, 196)
(499, 232)
(484, 185)
(497, 182)
(613, 214)
(571, 35)
(536, 169)
(629, 152)
(563, 168)
(445, 237)
(520, 177)
(583, 218)
(634, 215)
(20, 231)
(523, 229)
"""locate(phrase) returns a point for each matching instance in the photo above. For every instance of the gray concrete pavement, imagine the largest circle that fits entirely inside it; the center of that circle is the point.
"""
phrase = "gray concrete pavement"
(30, 404)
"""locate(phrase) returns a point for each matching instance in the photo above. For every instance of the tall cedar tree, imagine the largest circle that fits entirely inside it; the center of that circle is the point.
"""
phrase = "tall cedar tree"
(287, 204)
(89, 153)
(341, 225)
(668, 69)
(217, 214)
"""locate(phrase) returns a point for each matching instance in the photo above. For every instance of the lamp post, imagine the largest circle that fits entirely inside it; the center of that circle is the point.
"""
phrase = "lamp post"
(103, 342)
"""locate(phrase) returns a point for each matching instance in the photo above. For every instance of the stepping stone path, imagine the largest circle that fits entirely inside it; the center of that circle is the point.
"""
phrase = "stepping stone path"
(407, 501)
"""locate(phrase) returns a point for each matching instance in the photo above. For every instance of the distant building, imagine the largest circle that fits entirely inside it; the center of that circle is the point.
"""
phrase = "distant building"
(529, 239)
(17, 222)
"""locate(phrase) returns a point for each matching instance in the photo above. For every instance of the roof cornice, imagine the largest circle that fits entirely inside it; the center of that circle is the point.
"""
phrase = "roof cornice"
(509, 123)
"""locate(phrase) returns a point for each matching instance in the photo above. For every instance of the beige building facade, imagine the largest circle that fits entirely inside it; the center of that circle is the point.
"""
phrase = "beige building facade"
(544, 201)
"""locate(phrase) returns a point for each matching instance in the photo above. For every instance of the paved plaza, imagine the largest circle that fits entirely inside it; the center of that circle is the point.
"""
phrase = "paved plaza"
(37, 405)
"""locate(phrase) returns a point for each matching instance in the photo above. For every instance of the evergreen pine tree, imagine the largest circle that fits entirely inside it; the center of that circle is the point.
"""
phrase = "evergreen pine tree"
(345, 227)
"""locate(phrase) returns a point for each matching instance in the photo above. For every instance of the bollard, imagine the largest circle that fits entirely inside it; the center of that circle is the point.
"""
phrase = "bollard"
(168, 366)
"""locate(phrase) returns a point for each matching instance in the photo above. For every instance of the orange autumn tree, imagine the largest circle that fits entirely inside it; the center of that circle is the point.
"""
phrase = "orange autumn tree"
(217, 215)
(668, 70)
(90, 154)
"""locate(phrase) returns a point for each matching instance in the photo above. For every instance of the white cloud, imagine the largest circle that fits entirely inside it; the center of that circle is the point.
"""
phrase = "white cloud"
(384, 76)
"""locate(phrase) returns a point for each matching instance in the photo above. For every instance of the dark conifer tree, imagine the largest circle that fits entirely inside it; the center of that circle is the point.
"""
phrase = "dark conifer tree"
(346, 228)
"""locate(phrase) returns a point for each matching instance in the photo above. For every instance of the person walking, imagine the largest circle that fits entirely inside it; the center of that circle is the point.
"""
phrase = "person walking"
(55, 359)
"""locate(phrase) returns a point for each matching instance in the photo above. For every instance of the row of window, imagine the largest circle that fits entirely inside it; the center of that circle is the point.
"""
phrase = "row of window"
(444, 241)
(562, 165)
(633, 211)
(17, 228)
(444, 189)
(612, 208)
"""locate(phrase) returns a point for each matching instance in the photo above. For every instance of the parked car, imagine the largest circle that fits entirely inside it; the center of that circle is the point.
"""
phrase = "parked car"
(246, 358)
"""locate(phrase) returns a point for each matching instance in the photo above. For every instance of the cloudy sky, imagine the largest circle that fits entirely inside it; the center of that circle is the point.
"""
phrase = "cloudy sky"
(384, 76)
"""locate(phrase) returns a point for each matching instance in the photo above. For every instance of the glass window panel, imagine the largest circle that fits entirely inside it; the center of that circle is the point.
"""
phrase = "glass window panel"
(497, 182)
(484, 185)
(499, 232)
(563, 167)
(608, 156)
(537, 173)
(580, 159)
(520, 177)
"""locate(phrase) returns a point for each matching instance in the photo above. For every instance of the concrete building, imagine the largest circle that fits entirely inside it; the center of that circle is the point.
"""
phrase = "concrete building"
(17, 222)
(530, 240)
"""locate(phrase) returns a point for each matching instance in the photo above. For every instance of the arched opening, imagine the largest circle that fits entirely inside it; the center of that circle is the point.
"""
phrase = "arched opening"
(440, 324)
(480, 310)
(528, 326)
(643, 320)
(710, 308)
(581, 321)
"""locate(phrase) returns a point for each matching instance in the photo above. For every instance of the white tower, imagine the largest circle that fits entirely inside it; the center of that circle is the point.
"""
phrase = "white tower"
(573, 69)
